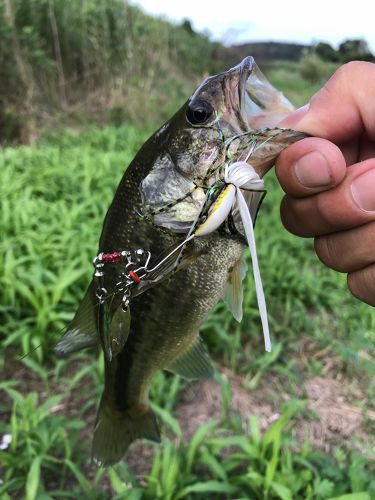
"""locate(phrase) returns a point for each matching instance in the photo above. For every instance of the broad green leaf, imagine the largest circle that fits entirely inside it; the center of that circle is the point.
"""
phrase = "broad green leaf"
(282, 492)
(197, 439)
(214, 465)
(32, 480)
(208, 487)
(83, 482)
(254, 429)
(117, 484)
(353, 496)
(168, 419)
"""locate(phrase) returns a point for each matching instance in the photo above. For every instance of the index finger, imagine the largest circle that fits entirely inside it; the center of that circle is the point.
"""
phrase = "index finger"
(343, 108)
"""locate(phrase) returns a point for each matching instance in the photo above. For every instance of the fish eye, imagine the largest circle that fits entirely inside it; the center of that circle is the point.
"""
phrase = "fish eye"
(199, 111)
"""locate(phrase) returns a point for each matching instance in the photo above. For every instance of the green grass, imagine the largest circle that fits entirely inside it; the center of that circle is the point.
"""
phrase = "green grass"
(53, 198)
(286, 76)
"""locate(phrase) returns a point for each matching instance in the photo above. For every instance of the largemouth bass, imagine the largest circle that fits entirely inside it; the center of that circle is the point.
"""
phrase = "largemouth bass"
(159, 198)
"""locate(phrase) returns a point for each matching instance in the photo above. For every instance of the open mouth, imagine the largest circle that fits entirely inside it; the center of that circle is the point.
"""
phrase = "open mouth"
(260, 103)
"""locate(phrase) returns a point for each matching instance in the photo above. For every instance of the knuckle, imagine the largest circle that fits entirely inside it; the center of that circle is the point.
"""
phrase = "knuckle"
(347, 71)
(288, 216)
(285, 213)
(333, 210)
(354, 285)
(348, 75)
(362, 285)
(323, 210)
(330, 253)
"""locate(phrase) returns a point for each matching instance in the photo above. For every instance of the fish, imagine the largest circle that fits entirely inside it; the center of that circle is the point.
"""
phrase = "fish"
(155, 280)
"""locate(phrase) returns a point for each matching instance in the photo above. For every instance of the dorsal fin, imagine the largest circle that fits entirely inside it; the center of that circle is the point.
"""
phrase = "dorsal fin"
(234, 289)
(82, 331)
(193, 362)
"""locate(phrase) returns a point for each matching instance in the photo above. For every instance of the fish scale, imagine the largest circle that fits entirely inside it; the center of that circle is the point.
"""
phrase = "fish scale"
(165, 316)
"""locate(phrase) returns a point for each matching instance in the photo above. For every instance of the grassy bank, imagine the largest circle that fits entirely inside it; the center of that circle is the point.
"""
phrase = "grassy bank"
(296, 423)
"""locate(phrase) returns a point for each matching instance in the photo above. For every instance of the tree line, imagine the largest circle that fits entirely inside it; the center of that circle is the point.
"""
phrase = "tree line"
(64, 56)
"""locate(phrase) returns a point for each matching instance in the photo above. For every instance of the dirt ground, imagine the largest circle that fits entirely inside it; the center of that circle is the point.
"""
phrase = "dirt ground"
(334, 403)
(334, 406)
(336, 418)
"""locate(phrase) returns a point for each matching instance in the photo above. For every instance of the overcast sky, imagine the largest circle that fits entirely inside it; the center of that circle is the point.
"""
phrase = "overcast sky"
(235, 21)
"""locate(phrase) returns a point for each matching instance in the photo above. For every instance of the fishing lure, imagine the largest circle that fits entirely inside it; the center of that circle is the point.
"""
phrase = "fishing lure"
(239, 175)
(136, 274)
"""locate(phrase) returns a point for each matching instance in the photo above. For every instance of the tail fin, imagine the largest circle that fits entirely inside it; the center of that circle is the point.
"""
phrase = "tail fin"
(115, 432)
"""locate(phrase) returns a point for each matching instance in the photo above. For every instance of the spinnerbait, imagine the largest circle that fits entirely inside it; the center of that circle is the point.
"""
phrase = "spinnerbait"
(136, 272)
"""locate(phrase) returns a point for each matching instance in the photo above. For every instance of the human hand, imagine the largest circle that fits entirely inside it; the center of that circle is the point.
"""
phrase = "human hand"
(329, 179)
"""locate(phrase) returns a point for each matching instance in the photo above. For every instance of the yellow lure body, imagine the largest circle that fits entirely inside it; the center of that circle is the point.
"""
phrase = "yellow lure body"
(218, 211)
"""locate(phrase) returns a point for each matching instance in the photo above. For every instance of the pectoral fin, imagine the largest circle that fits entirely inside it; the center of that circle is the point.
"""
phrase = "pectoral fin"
(82, 331)
(234, 289)
(193, 363)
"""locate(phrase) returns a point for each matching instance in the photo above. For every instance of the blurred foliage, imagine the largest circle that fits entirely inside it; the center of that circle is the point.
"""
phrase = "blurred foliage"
(349, 50)
(326, 52)
(265, 53)
(355, 49)
(46, 460)
(286, 76)
(315, 70)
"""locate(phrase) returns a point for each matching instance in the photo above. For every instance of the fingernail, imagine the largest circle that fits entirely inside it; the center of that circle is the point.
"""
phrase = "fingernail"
(312, 170)
(363, 190)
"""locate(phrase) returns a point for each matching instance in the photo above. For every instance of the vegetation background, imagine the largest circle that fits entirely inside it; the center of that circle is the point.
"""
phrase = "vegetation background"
(82, 85)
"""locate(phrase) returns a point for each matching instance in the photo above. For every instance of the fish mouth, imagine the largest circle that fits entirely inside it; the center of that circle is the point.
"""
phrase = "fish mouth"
(261, 105)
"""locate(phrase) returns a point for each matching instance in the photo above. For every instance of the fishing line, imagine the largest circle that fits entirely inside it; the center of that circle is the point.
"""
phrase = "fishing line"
(32, 350)
(218, 126)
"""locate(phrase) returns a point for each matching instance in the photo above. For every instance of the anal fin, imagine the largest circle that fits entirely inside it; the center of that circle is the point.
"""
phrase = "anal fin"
(234, 289)
(193, 363)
